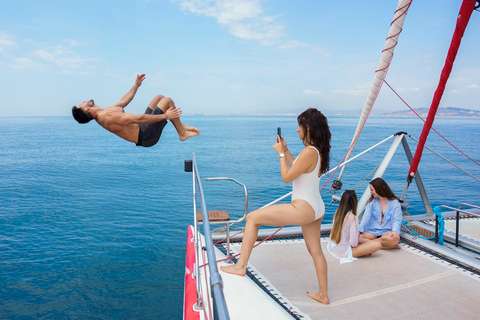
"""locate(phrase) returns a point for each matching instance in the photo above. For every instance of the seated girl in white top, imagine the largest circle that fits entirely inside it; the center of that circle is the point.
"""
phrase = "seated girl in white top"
(343, 242)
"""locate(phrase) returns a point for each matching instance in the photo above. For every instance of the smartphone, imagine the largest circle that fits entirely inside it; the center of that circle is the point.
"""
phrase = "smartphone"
(279, 132)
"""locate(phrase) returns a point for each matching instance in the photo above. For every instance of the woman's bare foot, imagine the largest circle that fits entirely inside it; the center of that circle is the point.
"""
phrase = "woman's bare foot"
(318, 297)
(234, 269)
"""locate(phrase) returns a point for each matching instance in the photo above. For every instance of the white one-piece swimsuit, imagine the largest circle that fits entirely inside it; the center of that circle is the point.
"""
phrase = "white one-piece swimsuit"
(306, 187)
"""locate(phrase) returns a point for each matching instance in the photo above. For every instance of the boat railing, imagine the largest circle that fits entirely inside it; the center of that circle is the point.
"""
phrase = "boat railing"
(220, 310)
(457, 218)
(228, 223)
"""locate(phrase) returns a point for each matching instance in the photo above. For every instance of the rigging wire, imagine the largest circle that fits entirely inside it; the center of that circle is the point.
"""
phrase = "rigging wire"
(478, 164)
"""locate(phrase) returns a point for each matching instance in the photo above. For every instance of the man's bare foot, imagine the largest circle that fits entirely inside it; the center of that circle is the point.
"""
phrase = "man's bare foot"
(234, 269)
(316, 296)
(188, 132)
(190, 128)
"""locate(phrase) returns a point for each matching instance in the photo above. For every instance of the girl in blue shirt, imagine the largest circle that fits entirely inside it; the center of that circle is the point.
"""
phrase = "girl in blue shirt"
(382, 217)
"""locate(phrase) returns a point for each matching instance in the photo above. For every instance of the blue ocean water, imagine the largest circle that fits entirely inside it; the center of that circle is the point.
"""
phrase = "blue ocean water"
(92, 227)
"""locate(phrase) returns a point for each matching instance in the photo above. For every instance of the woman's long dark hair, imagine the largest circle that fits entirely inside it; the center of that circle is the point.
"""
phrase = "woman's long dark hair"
(317, 132)
(348, 203)
(382, 189)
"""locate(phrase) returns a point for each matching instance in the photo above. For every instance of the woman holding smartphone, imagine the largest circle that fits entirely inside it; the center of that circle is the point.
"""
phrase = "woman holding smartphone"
(307, 208)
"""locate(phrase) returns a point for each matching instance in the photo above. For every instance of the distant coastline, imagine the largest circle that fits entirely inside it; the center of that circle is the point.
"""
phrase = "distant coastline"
(446, 112)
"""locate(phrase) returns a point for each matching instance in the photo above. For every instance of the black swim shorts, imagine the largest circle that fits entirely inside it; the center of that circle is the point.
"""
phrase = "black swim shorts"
(149, 134)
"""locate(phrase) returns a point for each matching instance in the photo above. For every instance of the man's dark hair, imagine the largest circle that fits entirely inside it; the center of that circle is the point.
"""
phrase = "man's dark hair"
(80, 115)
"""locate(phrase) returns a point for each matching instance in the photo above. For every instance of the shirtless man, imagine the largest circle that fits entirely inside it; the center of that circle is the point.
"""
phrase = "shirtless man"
(144, 129)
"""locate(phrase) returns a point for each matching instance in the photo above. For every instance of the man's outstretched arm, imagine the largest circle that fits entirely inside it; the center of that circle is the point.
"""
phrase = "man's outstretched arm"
(130, 94)
(127, 118)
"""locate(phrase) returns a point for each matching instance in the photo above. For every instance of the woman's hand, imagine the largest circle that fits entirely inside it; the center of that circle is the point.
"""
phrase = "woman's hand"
(395, 236)
(280, 145)
(284, 143)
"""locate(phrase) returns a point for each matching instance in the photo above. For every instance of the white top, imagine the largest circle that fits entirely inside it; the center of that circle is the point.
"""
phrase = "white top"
(349, 239)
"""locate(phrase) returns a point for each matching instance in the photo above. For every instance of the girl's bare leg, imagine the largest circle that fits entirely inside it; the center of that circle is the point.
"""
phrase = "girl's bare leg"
(388, 242)
(311, 234)
(296, 213)
(366, 248)
(365, 237)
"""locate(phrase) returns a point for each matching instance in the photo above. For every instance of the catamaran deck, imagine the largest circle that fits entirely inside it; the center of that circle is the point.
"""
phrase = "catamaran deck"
(391, 284)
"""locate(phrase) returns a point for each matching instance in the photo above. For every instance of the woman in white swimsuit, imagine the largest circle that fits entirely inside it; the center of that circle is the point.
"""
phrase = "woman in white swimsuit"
(307, 208)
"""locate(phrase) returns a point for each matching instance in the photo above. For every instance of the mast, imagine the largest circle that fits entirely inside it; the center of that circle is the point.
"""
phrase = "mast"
(462, 20)
(387, 55)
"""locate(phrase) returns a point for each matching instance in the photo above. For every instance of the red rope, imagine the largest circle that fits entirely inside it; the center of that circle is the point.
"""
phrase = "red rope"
(234, 256)
(215, 243)
(432, 127)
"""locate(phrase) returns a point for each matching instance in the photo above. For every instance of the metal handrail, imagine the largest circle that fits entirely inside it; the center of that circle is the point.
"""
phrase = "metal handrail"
(216, 284)
(231, 223)
(457, 217)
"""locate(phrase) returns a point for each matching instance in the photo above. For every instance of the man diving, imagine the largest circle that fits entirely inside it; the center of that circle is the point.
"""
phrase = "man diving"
(144, 129)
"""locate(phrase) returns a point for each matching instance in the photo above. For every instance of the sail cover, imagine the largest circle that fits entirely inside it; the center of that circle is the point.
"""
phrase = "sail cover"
(381, 72)
(462, 21)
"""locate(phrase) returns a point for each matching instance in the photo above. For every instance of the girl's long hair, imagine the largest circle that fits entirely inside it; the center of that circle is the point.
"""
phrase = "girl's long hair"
(348, 203)
(317, 133)
(382, 189)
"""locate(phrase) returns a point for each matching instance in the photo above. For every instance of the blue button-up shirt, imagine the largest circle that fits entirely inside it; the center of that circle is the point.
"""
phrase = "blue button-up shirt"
(372, 217)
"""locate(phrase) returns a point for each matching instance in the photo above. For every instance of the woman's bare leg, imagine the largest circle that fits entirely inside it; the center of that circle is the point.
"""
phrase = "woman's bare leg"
(366, 248)
(311, 234)
(366, 237)
(296, 213)
(388, 241)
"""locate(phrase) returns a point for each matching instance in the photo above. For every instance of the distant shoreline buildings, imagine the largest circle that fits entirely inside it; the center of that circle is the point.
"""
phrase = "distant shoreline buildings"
(446, 112)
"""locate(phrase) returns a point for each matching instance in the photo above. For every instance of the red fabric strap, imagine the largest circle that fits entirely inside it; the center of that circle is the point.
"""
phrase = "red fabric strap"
(462, 21)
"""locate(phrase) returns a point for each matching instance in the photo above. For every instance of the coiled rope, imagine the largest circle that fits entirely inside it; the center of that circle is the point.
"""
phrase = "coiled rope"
(441, 226)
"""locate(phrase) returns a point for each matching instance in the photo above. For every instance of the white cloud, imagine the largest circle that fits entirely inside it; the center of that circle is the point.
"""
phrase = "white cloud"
(62, 57)
(350, 92)
(473, 86)
(308, 91)
(6, 41)
(75, 43)
(24, 64)
(403, 89)
(293, 44)
(245, 19)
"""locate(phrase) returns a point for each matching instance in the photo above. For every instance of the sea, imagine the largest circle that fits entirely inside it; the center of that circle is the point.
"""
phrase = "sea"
(93, 227)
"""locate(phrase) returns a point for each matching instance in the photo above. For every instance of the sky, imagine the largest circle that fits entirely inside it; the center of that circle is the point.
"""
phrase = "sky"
(229, 56)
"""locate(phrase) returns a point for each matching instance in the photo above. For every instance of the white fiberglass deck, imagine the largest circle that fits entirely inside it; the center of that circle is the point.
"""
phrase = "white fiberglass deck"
(468, 227)
(402, 284)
